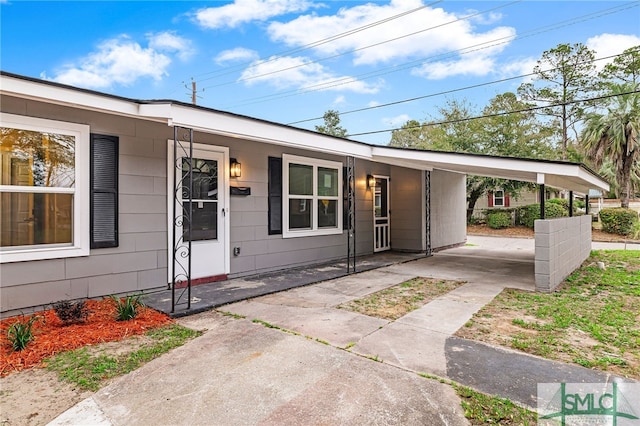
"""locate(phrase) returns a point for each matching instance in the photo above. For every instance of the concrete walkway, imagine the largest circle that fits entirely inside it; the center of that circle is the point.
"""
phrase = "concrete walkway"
(323, 371)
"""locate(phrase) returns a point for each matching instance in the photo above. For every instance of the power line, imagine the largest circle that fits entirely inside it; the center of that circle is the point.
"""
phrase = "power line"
(446, 92)
(497, 114)
(462, 51)
(358, 49)
(317, 43)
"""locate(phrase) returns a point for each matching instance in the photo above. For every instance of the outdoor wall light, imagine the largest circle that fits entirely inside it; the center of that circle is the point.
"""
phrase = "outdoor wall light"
(235, 170)
(371, 182)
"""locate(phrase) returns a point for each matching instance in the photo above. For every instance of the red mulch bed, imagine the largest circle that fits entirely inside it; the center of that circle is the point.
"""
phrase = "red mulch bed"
(52, 337)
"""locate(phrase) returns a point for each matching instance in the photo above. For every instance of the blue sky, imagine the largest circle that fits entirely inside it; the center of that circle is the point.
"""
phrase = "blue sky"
(291, 60)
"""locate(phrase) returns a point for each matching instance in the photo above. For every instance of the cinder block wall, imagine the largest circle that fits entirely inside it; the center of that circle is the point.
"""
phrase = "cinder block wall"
(562, 245)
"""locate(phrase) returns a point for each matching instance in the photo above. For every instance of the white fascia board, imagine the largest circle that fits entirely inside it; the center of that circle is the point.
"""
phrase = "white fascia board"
(595, 181)
(409, 164)
(256, 130)
(567, 176)
(49, 93)
(454, 159)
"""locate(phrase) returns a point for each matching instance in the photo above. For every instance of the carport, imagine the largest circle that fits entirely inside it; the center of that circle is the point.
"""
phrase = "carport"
(561, 244)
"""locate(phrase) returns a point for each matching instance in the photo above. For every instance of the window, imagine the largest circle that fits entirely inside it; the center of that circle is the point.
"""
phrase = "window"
(498, 198)
(312, 197)
(44, 188)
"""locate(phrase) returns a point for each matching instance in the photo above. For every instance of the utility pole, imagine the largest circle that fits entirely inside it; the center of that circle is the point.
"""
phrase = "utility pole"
(194, 90)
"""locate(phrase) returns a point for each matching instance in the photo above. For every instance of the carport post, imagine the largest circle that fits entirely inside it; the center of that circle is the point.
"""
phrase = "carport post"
(586, 204)
(542, 195)
(570, 203)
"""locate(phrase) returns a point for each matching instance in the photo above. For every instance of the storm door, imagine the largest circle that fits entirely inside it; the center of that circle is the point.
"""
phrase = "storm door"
(381, 229)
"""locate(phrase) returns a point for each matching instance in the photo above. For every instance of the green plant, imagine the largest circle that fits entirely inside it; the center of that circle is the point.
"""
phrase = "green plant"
(618, 220)
(591, 319)
(71, 312)
(483, 409)
(127, 307)
(527, 215)
(474, 221)
(499, 220)
(89, 369)
(635, 231)
(20, 333)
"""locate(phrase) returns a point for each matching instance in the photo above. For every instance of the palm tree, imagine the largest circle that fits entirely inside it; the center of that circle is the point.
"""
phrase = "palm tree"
(614, 136)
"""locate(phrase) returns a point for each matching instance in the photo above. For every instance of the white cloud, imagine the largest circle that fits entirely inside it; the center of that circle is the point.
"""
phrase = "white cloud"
(340, 100)
(520, 66)
(485, 18)
(241, 11)
(611, 44)
(442, 39)
(299, 73)
(119, 60)
(170, 42)
(239, 54)
(396, 121)
(372, 104)
(475, 65)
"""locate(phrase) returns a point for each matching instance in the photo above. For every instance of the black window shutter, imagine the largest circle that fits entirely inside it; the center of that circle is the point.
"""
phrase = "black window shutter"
(104, 191)
(345, 199)
(275, 195)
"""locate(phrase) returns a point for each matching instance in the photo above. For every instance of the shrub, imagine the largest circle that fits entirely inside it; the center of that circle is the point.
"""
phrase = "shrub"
(71, 312)
(20, 333)
(527, 215)
(618, 220)
(499, 220)
(559, 201)
(127, 307)
(577, 204)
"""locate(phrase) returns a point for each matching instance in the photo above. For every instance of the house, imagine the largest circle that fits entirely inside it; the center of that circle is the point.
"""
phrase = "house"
(501, 199)
(107, 195)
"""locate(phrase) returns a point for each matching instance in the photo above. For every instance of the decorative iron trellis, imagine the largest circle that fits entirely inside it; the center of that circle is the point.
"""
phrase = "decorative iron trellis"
(182, 216)
(351, 215)
(427, 211)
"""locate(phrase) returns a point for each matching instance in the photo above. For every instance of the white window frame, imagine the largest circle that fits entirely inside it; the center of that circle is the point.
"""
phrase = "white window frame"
(80, 238)
(498, 198)
(314, 231)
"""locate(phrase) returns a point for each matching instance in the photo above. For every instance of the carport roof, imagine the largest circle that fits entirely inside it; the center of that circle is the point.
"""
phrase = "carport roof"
(564, 175)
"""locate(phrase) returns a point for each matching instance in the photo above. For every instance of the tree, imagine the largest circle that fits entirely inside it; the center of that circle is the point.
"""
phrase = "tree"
(563, 75)
(332, 125)
(625, 69)
(503, 133)
(614, 136)
(412, 134)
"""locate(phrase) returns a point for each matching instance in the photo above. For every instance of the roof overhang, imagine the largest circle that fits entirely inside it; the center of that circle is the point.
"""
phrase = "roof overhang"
(563, 175)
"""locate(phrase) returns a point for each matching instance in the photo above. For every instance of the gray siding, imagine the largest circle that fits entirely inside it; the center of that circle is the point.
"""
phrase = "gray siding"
(407, 210)
(139, 263)
(448, 209)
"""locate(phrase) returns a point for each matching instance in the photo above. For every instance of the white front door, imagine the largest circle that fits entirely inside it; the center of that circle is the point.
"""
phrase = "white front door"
(208, 209)
(381, 228)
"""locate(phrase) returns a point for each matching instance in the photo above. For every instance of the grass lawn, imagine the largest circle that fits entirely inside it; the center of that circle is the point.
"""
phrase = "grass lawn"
(593, 319)
(90, 367)
(395, 302)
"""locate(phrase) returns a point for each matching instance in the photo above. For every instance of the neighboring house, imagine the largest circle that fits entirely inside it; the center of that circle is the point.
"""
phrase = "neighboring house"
(94, 189)
(499, 198)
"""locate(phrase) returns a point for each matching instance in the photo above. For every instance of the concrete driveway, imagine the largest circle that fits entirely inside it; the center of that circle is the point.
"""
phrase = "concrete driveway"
(294, 358)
